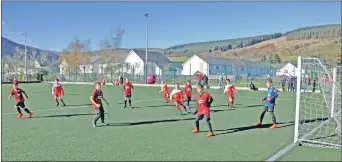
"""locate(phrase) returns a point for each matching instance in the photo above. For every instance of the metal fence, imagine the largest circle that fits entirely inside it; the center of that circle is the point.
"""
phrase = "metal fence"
(171, 75)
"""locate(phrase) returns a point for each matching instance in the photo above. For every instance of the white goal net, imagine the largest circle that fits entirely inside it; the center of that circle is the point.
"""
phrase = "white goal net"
(318, 104)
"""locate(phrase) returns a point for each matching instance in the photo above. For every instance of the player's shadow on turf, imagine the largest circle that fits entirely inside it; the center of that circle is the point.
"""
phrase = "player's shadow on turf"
(259, 105)
(65, 115)
(149, 122)
(282, 125)
(160, 106)
(88, 104)
(227, 109)
(223, 105)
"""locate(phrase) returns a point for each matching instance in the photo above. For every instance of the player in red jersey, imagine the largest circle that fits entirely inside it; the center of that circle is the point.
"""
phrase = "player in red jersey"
(177, 97)
(203, 101)
(188, 93)
(165, 90)
(18, 95)
(96, 98)
(128, 86)
(58, 92)
(230, 90)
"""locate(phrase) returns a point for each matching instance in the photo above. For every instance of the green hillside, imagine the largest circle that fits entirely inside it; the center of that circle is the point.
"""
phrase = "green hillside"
(315, 32)
(307, 33)
(223, 45)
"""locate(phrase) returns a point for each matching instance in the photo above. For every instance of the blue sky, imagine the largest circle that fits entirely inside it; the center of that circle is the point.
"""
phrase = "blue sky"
(52, 25)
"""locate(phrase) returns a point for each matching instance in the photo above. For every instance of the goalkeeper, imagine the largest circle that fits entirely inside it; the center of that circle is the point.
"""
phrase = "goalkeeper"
(269, 103)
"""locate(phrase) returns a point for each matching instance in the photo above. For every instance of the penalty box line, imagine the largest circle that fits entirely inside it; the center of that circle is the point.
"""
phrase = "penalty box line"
(73, 107)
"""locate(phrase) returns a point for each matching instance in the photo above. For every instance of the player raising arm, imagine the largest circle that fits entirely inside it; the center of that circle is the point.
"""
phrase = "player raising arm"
(204, 101)
(18, 95)
(165, 91)
(58, 92)
(188, 93)
(230, 90)
(96, 101)
(128, 86)
(177, 97)
(269, 103)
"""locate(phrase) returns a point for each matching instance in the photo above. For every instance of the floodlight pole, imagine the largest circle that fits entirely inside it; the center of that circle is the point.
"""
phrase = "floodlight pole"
(26, 77)
(146, 15)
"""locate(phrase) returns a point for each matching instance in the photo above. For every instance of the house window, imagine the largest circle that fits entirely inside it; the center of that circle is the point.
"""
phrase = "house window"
(286, 71)
(217, 67)
(137, 65)
(242, 69)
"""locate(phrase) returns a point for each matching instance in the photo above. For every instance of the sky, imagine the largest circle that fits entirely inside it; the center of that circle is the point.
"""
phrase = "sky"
(52, 25)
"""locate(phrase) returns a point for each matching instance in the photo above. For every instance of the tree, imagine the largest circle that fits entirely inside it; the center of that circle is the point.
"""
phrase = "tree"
(270, 58)
(110, 46)
(276, 59)
(77, 53)
(43, 58)
(263, 58)
(31, 63)
(19, 59)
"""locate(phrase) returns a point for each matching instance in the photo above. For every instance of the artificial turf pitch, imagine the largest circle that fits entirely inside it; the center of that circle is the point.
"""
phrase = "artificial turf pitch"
(152, 130)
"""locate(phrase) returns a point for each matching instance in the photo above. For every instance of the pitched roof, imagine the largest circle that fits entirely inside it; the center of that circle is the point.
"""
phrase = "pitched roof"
(153, 56)
(117, 56)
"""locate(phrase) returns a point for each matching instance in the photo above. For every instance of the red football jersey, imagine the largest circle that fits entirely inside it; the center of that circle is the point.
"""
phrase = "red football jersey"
(98, 95)
(230, 90)
(127, 88)
(188, 90)
(202, 102)
(18, 94)
(165, 89)
(57, 89)
(178, 95)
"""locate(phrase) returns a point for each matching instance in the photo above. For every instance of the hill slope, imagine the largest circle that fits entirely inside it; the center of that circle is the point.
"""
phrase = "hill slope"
(8, 48)
(316, 41)
(289, 50)
(222, 45)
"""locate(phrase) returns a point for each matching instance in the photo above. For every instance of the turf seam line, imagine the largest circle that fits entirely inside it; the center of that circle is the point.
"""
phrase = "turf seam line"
(74, 107)
(281, 152)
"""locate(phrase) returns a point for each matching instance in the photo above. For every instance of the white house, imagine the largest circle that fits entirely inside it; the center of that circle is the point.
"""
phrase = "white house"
(156, 61)
(211, 65)
(287, 69)
(96, 65)
(194, 64)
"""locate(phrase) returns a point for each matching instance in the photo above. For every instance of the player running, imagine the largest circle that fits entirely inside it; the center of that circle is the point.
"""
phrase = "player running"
(96, 100)
(128, 86)
(203, 101)
(58, 92)
(188, 93)
(230, 90)
(269, 103)
(18, 95)
(177, 97)
(165, 90)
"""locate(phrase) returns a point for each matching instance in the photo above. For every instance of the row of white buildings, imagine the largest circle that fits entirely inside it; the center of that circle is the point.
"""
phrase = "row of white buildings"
(159, 64)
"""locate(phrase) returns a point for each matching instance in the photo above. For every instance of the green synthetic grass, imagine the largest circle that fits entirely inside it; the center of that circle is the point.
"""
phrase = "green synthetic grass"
(150, 131)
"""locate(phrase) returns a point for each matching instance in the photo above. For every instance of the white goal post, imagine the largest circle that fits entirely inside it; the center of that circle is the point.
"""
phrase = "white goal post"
(318, 104)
